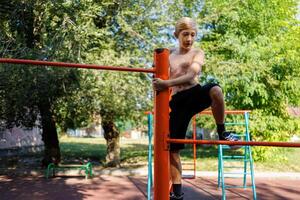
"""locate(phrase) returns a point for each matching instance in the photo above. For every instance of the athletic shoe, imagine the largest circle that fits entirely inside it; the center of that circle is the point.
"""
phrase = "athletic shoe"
(230, 136)
(174, 197)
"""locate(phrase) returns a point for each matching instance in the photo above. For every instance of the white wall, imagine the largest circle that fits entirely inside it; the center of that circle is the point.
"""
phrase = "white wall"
(17, 137)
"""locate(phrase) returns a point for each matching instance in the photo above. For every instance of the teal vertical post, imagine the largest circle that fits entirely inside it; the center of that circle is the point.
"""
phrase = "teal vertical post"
(250, 156)
(246, 150)
(221, 164)
(149, 184)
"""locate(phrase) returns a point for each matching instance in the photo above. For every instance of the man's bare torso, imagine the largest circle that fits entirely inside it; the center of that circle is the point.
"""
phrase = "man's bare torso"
(179, 65)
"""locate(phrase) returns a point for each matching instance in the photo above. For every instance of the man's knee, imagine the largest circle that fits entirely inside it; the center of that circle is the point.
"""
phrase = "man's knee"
(174, 153)
(216, 92)
(174, 156)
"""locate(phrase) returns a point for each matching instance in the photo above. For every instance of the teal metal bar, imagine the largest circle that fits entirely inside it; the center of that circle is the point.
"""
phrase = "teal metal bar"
(246, 150)
(150, 133)
(236, 173)
(233, 177)
(234, 123)
(222, 172)
(226, 147)
(233, 167)
(219, 166)
(250, 156)
(234, 157)
(245, 159)
(234, 160)
(236, 186)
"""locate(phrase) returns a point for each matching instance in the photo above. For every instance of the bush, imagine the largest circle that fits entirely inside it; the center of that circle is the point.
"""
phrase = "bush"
(271, 129)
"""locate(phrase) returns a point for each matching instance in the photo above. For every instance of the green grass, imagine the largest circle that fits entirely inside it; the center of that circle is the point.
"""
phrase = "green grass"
(82, 149)
(289, 164)
(134, 154)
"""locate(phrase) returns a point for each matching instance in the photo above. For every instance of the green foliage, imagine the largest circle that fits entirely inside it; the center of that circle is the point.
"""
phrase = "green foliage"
(114, 39)
(253, 40)
(252, 50)
(272, 129)
(26, 88)
(107, 33)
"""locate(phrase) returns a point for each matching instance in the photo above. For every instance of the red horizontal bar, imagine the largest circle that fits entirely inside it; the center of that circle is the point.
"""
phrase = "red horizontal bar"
(149, 112)
(74, 65)
(209, 112)
(240, 143)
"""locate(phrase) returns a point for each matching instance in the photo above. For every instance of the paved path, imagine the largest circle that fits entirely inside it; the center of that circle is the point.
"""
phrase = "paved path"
(107, 187)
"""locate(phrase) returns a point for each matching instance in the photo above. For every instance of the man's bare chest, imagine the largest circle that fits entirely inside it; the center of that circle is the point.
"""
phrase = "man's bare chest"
(179, 64)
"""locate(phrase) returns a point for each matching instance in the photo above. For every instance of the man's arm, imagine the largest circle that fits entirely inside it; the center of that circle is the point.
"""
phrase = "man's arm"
(193, 71)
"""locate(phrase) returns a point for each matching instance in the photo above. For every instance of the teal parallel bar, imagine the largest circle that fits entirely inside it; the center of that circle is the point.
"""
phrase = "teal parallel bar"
(236, 186)
(233, 167)
(150, 133)
(234, 124)
(236, 173)
(245, 158)
(246, 117)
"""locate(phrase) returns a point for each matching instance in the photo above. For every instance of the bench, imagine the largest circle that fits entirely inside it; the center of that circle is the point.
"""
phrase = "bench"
(86, 167)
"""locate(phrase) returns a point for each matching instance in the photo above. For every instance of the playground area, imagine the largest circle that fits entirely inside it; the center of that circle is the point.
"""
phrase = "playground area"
(128, 187)
(28, 181)
(209, 86)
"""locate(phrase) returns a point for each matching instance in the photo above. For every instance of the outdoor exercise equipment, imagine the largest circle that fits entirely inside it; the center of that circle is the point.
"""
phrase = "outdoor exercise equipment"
(246, 158)
(161, 118)
(87, 168)
(150, 134)
(149, 179)
(225, 161)
(160, 70)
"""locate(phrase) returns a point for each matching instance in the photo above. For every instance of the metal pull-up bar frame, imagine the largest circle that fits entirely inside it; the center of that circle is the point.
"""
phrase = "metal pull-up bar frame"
(161, 118)
(161, 107)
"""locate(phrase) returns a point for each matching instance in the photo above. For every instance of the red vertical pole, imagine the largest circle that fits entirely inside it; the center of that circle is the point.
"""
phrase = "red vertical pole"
(161, 128)
(194, 145)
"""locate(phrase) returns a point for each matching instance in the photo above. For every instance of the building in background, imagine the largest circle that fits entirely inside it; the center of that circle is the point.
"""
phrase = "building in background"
(94, 130)
(16, 141)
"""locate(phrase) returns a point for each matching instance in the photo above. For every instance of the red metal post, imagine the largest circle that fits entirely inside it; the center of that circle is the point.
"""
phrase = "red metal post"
(161, 128)
(194, 145)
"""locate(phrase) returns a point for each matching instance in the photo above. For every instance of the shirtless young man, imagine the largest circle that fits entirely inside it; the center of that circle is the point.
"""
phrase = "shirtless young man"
(188, 97)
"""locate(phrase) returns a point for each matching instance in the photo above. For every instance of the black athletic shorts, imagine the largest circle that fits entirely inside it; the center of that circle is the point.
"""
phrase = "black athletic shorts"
(184, 105)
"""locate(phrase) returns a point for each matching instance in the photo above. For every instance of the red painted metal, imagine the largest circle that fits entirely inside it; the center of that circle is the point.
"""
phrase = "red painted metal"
(240, 143)
(209, 112)
(161, 128)
(149, 112)
(74, 65)
(194, 145)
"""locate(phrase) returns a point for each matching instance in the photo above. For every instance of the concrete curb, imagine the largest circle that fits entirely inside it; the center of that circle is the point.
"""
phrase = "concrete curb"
(144, 172)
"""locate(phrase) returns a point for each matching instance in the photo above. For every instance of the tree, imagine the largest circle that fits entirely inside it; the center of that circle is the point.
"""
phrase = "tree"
(252, 50)
(28, 93)
(106, 32)
(253, 39)
(129, 38)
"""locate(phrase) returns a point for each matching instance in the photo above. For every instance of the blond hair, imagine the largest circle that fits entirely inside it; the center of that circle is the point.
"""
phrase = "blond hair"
(185, 23)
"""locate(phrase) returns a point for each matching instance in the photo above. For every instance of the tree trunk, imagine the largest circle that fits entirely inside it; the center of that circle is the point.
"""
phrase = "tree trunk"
(112, 136)
(49, 135)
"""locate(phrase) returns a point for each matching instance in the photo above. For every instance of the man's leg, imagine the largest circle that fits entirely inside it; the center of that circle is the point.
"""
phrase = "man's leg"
(176, 172)
(218, 110)
(217, 105)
